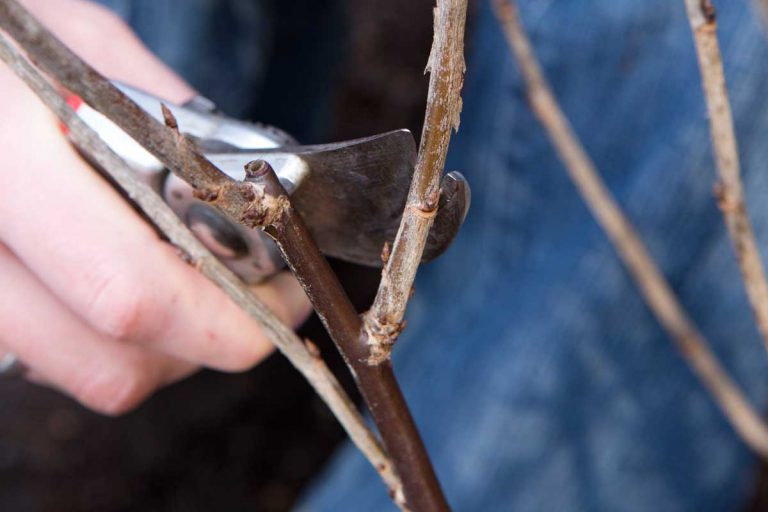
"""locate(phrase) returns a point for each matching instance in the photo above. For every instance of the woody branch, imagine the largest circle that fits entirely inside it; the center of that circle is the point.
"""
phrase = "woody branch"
(383, 322)
(729, 190)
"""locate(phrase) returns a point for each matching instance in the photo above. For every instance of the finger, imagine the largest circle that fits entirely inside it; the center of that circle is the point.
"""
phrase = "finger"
(59, 349)
(83, 241)
(21, 369)
(96, 33)
(284, 296)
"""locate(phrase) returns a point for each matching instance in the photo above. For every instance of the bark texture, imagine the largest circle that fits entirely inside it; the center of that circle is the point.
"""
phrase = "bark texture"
(729, 189)
(384, 322)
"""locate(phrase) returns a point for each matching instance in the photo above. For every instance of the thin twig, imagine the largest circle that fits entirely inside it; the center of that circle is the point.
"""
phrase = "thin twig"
(303, 357)
(376, 383)
(628, 245)
(383, 322)
(729, 190)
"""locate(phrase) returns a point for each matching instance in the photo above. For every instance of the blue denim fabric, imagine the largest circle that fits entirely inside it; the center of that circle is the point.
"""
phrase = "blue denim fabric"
(538, 377)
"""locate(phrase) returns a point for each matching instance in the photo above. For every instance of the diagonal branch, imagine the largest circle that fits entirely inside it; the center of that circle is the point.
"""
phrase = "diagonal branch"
(383, 323)
(630, 248)
(302, 356)
(729, 190)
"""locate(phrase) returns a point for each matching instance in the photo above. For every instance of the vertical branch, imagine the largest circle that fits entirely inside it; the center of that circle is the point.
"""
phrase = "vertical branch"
(729, 190)
(376, 383)
(630, 248)
(300, 355)
(383, 323)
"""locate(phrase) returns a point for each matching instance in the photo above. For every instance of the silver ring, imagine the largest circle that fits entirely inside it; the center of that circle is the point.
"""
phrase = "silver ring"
(11, 366)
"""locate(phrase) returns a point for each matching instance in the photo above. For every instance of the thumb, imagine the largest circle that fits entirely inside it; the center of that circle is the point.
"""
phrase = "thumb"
(284, 296)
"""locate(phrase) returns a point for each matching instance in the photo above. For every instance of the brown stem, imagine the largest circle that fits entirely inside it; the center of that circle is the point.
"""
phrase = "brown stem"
(630, 248)
(305, 360)
(383, 323)
(377, 383)
(730, 193)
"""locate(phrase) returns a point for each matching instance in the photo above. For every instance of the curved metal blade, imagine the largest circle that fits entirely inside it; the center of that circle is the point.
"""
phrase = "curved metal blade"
(352, 194)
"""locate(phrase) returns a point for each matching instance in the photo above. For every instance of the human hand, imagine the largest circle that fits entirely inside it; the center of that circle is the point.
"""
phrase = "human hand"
(92, 301)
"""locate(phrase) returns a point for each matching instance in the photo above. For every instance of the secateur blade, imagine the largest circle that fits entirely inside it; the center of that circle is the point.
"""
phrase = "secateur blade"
(352, 194)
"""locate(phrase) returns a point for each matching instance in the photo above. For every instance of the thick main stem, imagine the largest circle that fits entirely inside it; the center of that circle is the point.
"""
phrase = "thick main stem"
(630, 248)
(701, 14)
(376, 383)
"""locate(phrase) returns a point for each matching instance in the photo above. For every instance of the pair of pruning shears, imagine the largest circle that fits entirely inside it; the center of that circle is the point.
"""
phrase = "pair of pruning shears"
(351, 194)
